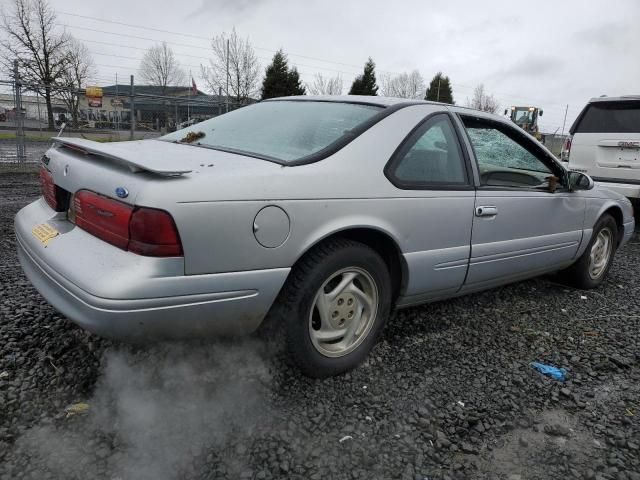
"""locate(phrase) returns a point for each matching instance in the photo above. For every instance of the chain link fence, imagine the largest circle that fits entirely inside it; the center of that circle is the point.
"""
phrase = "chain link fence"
(120, 113)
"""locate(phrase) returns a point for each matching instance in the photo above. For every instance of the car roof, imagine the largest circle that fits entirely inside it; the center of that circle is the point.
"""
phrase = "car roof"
(365, 99)
(614, 99)
(387, 102)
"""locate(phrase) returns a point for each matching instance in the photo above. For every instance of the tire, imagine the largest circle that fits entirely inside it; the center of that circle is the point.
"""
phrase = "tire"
(583, 273)
(327, 267)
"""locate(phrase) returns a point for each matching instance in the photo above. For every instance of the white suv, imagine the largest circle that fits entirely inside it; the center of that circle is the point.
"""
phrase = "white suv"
(605, 143)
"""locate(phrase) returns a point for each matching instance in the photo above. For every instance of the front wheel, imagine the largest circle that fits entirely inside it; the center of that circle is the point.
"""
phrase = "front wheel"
(592, 267)
(335, 304)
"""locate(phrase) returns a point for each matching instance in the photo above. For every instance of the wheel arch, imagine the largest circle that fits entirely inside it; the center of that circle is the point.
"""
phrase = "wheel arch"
(616, 212)
(379, 240)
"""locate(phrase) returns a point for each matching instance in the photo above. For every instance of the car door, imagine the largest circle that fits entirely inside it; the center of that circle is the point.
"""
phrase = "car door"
(522, 225)
(433, 169)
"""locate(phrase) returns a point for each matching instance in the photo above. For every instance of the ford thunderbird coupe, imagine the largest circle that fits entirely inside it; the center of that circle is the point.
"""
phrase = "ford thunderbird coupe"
(320, 214)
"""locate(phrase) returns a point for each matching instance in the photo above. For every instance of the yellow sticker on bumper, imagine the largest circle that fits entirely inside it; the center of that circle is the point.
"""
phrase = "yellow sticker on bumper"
(45, 233)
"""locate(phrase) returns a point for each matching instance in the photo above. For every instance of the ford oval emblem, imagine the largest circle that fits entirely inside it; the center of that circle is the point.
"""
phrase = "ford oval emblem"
(122, 192)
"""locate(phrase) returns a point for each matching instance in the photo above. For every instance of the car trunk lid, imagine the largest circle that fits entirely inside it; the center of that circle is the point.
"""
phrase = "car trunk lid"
(141, 155)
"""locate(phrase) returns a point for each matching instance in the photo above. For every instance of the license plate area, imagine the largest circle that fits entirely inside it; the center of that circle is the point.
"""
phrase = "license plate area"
(629, 155)
(44, 233)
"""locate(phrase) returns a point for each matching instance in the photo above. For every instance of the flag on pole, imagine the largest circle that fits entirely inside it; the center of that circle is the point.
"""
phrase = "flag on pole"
(194, 88)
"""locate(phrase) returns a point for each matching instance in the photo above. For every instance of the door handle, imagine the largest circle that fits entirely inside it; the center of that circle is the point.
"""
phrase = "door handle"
(486, 211)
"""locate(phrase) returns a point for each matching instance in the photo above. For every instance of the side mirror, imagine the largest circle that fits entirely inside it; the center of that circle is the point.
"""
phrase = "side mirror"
(541, 112)
(580, 181)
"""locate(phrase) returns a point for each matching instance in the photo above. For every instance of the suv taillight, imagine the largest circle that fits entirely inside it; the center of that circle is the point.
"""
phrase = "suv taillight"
(141, 230)
(566, 149)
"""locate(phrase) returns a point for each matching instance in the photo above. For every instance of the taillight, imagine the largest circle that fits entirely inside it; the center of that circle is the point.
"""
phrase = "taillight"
(141, 230)
(103, 217)
(153, 233)
(56, 197)
(48, 188)
(566, 149)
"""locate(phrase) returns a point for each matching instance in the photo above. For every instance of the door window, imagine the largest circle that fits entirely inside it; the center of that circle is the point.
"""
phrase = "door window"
(506, 158)
(429, 157)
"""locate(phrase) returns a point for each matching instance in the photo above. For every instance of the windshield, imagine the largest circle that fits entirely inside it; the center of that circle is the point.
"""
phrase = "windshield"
(523, 116)
(279, 130)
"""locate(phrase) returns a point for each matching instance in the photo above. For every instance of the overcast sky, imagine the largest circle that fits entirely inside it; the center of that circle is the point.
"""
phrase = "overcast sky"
(548, 54)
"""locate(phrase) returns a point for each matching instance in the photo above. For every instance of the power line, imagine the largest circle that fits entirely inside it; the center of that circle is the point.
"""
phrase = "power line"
(142, 27)
(199, 37)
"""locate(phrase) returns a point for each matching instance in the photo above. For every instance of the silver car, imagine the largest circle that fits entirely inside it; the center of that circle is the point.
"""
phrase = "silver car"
(317, 214)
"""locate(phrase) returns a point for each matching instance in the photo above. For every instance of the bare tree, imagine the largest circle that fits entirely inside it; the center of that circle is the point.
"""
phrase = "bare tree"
(30, 37)
(80, 70)
(325, 86)
(483, 101)
(243, 67)
(405, 85)
(160, 68)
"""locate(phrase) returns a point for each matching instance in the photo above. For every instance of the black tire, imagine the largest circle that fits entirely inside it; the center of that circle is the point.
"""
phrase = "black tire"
(578, 274)
(296, 300)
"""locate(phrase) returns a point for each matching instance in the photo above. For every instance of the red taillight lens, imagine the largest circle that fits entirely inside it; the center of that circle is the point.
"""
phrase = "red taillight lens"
(103, 217)
(48, 188)
(141, 230)
(153, 233)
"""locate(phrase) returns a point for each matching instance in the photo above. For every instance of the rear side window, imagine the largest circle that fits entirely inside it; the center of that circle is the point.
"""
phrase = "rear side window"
(430, 156)
(610, 117)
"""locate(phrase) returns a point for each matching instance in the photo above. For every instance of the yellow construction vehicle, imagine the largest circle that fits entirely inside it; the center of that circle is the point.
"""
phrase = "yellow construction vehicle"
(527, 119)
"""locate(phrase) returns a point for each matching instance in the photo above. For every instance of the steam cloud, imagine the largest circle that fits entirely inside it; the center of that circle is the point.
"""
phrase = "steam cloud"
(158, 413)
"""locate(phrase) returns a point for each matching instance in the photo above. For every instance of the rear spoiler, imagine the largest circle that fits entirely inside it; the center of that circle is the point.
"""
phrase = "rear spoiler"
(124, 153)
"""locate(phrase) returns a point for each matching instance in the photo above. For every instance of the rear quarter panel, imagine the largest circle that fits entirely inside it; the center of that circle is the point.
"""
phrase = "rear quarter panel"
(215, 212)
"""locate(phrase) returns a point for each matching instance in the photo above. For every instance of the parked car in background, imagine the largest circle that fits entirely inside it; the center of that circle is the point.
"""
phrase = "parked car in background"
(321, 214)
(604, 142)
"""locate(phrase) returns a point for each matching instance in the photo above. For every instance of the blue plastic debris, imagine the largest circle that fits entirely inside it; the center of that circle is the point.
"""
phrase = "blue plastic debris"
(551, 371)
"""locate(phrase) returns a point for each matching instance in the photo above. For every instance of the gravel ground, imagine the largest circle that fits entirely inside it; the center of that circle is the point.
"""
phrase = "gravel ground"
(448, 393)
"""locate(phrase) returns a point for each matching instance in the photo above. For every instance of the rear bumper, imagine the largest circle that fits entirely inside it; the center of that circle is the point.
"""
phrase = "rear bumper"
(135, 298)
(628, 190)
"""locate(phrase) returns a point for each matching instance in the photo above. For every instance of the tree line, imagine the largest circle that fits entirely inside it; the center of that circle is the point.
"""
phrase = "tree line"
(55, 64)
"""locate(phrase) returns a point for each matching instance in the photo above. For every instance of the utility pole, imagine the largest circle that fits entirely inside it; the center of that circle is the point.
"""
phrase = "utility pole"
(133, 111)
(19, 121)
(219, 100)
(438, 95)
(227, 92)
(39, 124)
(116, 108)
(565, 119)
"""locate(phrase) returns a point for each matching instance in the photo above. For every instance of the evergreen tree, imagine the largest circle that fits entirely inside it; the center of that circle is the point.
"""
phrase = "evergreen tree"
(365, 84)
(295, 85)
(440, 90)
(279, 80)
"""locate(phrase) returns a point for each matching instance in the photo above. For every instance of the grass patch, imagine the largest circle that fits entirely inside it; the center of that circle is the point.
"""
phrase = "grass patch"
(46, 137)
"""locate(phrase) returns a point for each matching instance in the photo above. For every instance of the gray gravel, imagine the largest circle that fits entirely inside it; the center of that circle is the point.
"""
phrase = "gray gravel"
(448, 392)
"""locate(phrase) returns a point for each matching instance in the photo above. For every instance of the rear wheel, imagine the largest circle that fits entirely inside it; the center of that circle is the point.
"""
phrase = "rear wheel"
(334, 305)
(592, 267)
